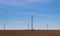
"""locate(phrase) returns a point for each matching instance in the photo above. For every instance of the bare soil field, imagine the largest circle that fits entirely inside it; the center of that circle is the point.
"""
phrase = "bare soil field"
(29, 32)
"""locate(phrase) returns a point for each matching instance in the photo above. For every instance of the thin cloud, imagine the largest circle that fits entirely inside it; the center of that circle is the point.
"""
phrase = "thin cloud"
(38, 0)
(21, 2)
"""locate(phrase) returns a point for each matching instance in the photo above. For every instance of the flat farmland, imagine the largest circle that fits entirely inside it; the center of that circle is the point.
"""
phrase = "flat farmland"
(29, 32)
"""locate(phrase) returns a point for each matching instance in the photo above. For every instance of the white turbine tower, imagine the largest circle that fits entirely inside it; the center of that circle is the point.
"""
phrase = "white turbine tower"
(32, 22)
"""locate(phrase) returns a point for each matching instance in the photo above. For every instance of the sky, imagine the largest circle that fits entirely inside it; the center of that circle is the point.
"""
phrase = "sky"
(16, 14)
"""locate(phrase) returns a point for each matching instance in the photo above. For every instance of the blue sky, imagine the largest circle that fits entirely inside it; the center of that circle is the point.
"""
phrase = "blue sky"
(17, 14)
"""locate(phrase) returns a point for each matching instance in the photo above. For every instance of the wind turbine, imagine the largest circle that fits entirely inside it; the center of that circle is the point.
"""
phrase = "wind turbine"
(32, 22)
(47, 26)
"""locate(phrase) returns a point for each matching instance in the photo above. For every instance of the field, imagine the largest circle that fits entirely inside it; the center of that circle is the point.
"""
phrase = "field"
(29, 32)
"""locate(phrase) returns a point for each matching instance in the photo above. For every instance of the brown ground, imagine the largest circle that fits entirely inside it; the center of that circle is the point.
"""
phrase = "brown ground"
(29, 32)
